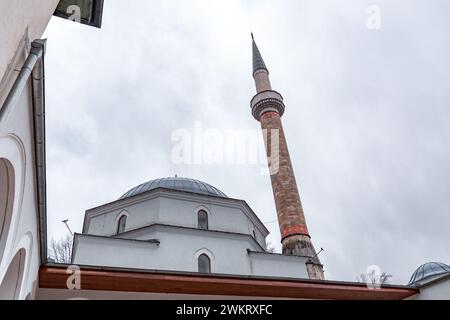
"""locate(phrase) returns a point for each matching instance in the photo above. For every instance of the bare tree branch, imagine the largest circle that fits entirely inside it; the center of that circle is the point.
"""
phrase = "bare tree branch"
(373, 278)
(61, 251)
(269, 247)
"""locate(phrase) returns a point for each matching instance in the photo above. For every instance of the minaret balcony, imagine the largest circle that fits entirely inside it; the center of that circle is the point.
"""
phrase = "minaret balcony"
(266, 101)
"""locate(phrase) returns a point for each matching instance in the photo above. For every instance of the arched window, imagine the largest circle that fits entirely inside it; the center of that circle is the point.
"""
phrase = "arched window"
(121, 224)
(203, 220)
(204, 264)
(254, 234)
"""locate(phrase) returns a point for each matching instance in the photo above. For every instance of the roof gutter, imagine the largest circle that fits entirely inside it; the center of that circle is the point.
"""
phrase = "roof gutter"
(38, 84)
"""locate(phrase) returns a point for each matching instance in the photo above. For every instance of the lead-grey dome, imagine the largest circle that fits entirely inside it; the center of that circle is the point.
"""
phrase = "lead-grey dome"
(180, 184)
(428, 270)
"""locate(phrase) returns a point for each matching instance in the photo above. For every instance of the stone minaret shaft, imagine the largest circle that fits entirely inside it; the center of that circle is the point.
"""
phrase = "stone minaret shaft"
(268, 108)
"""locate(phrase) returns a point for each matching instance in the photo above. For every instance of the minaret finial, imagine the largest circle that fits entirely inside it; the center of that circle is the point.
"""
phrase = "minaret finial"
(253, 38)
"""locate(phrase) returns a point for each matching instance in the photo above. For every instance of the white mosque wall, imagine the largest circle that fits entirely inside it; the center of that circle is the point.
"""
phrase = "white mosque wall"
(277, 265)
(179, 249)
(22, 22)
(11, 283)
(163, 207)
(221, 217)
(138, 214)
(438, 290)
(19, 244)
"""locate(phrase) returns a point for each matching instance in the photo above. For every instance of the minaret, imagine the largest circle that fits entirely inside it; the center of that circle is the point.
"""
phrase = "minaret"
(268, 108)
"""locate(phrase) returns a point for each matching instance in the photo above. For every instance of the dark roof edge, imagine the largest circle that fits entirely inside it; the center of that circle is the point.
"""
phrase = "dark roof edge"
(151, 241)
(95, 20)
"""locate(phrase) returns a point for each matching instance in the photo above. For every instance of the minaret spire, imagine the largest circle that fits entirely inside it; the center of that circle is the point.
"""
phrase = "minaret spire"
(268, 108)
(258, 62)
(260, 71)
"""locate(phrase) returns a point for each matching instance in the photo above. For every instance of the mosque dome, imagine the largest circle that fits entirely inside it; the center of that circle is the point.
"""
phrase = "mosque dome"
(176, 183)
(429, 270)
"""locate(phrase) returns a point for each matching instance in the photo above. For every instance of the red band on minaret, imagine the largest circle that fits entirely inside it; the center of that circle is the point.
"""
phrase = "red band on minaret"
(294, 230)
(270, 114)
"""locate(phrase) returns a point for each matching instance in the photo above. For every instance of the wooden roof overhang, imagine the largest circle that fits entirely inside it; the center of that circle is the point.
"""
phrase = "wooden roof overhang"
(130, 280)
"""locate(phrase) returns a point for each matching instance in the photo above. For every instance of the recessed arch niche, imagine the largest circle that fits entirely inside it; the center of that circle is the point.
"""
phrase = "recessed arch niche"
(12, 281)
(7, 188)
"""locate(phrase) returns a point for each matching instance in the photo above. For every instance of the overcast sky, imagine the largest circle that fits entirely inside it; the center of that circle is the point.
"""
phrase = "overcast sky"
(367, 115)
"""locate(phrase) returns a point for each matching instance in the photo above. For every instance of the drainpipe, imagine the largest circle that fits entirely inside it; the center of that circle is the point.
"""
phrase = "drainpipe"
(34, 67)
(36, 52)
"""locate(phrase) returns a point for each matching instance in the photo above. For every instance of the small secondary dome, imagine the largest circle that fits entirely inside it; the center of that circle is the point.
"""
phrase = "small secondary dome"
(175, 183)
(428, 270)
